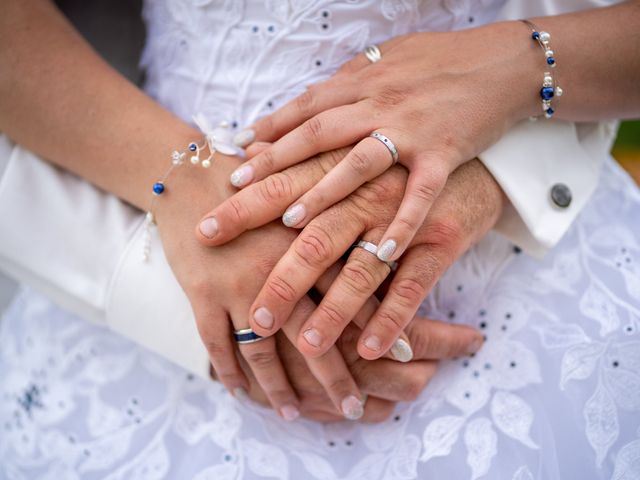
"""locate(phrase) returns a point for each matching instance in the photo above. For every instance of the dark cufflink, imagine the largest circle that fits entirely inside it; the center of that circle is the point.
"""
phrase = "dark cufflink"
(561, 195)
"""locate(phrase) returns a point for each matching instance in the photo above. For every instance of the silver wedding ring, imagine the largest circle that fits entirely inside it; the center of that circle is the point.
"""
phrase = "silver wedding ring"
(373, 54)
(386, 141)
(246, 335)
(373, 248)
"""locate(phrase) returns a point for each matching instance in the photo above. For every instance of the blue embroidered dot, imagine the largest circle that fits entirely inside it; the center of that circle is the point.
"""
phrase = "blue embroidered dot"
(535, 35)
(271, 28)
(517, 250)
(483, 324)
(512, 364)
(234, 124)
(325, 26)
(158, 188)
(467, 395)
(325, 14)
(615, 364)
(471, 19)
(332, 444)
(270, 104)
(227, 458)
(459, 288)
(255, 29)
(348, 443)
(452, 314)
(546, 93)
(551, 60)
(396, 418)
(318, 63)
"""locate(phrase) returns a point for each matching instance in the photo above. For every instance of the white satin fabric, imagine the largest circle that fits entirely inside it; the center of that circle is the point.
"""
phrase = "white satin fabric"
(554, 394)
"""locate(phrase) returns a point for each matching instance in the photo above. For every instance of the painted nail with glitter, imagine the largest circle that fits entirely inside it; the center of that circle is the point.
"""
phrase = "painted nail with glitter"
(386, 250)
(352, 408)
(242, 176)
(401, 351)
(294, 215)
(245, 137)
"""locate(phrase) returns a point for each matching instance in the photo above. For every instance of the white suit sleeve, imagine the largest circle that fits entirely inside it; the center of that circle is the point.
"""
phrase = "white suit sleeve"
(535, 159)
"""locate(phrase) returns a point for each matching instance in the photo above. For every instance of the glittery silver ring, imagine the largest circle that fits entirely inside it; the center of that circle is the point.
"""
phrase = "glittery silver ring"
(386, 141)
(373, 248)
(373, 54)
(246, 335)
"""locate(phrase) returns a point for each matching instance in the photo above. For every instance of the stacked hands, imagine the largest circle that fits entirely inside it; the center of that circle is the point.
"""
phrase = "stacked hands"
(311, 295)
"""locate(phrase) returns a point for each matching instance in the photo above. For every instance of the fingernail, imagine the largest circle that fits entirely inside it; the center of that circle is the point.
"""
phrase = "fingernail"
(209, 227)
(263, 317)
(372, 343)
(386, 250)
(475, 345)
(313, 337)
(289, 413)
(241, 176)
(294, 215)
(240, 394)
(401, 351)
(352, 408)
(244, 137)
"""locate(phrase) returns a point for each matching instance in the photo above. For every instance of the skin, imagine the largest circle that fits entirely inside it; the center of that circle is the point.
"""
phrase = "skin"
(62, 101)
(476, 79)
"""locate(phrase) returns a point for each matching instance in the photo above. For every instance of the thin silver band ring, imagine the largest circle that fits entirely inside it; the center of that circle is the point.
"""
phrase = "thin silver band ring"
(246, 335)
(373, 249)
(386, 141)
(373, 53)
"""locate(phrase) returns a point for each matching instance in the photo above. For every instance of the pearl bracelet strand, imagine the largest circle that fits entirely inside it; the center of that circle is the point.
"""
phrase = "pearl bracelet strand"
(218, 139)
(549, 87)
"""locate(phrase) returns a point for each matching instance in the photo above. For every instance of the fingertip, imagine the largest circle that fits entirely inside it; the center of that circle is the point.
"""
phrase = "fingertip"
(387, 250)
(242, 176)
(367, 348)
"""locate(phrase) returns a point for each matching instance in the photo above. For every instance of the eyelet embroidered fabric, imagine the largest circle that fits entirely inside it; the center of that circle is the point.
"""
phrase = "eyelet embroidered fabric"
(554, 394)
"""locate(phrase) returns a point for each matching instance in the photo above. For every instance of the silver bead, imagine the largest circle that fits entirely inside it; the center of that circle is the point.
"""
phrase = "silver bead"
(206, 163)
(558, 91)
(545, 37)
(548, 81)
(548, 53)
(195, 160)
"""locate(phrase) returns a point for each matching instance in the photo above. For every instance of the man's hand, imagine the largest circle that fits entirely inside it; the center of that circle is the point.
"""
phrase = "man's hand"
(468, 207)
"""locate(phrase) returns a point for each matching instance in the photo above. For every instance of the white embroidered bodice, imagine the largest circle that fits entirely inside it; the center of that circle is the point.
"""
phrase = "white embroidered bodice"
(553, 395)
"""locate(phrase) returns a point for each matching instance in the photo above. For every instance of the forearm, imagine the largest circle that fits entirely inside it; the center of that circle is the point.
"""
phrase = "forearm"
(598, 63)
(62, 101)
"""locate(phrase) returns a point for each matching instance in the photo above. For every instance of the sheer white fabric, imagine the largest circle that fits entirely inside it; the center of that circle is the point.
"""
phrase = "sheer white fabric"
(554, 393)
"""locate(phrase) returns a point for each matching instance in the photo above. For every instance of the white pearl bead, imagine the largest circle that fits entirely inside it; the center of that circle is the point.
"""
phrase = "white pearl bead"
(206, 163)
(548, 53)
(194, 160)
(545, 36)
(548, 81)
(150, 217)
(558, 91)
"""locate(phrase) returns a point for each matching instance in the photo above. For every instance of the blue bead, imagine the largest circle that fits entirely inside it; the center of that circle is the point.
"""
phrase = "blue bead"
(550, 111)
(535, 35)
(158, 188)
(551, 60)
(193, 147)
(546, 93)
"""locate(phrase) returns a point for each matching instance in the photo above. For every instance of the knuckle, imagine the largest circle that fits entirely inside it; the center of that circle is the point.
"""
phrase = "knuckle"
(268, 160)
(238, 213)
(305, 102)
(424, 193)
(281, 289)
(446, 232)
(360, 277)
(381, 412)
(332, 315)
(360, 162)
(217, 349)
(390, 320)
(409, 290)
(412, 390)
(389, 96)
(313, 246)
(276, 187)
(408, 223)
(311, 130)
(260, 358)
(340, 386)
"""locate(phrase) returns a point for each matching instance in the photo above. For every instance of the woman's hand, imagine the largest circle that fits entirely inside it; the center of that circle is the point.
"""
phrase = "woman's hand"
(468, 207)
(441, 98)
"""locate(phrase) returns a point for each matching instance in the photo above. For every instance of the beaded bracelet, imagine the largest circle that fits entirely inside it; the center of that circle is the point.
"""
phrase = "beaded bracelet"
(549, 88)
(218, 139)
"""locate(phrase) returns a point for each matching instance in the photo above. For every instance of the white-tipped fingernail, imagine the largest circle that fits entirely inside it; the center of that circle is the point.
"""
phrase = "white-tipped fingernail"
(241, 176)
(352, 408)
(386, 250)
(372, 343)
(263, 317)
(240, 394)
(244, 137)
(294, 215)
(313, 337)
(289, 413)
(209, 227)
(475, 345)
(401, 351)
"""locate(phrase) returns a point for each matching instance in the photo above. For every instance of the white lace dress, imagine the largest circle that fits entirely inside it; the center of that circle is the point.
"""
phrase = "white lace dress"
(554, 394)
